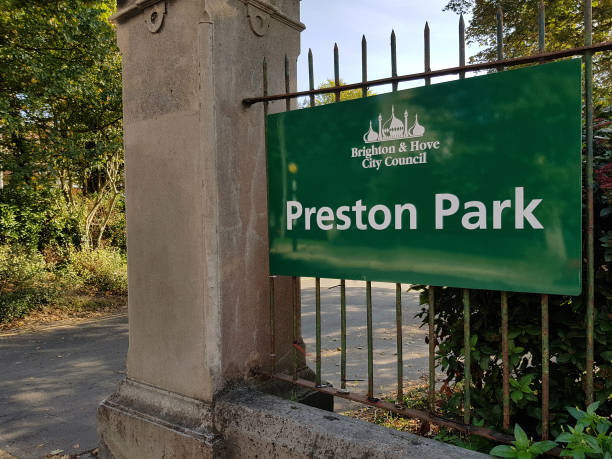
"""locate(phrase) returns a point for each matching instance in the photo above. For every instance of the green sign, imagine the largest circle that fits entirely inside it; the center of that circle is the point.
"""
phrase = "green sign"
(473, 183)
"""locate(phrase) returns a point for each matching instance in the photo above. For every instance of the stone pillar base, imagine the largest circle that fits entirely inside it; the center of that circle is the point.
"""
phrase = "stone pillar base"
(141, 421)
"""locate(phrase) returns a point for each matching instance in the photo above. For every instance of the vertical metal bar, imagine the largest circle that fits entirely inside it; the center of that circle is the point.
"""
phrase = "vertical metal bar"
(318, 330)
(541, 26)
(544, 297)
(342, 334)
(336, 71)
(311, 77)
(468, 361)
(588, 103)
(545, 368)
(294, 289)
(427, 53)
(342, 281)
(393, 59)
(505, 360)
(500, 36)
(364, 65)
(370, 344)
(432, 350)
(294, 279)
(461, 45)
(400, 357)
(398, 286)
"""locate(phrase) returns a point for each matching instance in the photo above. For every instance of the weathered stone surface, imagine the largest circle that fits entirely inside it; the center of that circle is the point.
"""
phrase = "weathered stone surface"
(256, 425)
(144, 422)
(196, 190)
(140, 421)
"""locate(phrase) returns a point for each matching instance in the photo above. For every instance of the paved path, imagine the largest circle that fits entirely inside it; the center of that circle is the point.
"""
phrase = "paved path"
(384, 336)
(51, 382)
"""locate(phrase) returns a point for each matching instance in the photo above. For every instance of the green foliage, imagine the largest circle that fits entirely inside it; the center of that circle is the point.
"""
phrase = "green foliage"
(590, 437)
(103, 270)
(330, 98)
(564, 29)
(35, 218)
(522, 448)
(25, 282)
(60, 120)
(473, 442)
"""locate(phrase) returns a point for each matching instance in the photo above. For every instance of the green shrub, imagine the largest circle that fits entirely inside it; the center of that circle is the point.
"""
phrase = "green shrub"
(34, 218)
(26, 282)
(103, 269)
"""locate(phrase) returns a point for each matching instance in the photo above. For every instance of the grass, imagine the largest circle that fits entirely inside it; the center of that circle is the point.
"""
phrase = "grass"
(416, 398)
(50, 287)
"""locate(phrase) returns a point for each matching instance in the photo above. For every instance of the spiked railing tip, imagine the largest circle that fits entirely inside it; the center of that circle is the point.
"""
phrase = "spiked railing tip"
(363, 38)
(426, 25)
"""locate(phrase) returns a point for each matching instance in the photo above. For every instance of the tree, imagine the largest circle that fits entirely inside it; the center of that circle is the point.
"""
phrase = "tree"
(330, 98)
(564, 29)
(60, 104)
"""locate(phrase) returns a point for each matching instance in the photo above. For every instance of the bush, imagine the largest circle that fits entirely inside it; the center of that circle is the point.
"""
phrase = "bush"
(34, 218)
(103, 269)
(26, 282)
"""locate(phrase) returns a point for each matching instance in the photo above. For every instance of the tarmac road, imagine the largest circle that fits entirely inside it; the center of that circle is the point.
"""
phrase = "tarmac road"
(51, 382)
(52, 379)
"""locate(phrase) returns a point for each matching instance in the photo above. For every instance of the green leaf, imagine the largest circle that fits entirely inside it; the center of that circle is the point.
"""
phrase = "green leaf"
(576, 413)
(564, 437)
(503, 451)
(602, 427)
(524, 455)
(542, 446)
(526, 379)
(522, 441)
(516, 395)
(592, 407)
(592, 443)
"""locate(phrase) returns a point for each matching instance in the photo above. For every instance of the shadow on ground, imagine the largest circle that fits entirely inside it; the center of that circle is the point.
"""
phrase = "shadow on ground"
(52, 382)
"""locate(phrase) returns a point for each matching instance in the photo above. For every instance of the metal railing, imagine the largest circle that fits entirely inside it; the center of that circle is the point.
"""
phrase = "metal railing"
(429, 416)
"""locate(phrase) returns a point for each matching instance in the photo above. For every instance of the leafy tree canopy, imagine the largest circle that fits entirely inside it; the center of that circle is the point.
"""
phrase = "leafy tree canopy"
(330, 98)
(564, 29)
(60, 90)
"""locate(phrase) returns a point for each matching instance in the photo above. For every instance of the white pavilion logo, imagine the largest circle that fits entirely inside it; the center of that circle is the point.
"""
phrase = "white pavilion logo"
(394, 129)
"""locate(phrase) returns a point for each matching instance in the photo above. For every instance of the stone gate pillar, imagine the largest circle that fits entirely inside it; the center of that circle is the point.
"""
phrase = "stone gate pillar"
(196, 212)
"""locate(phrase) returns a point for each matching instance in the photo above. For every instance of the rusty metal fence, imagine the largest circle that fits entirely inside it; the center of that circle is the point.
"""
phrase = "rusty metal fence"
(429, 416)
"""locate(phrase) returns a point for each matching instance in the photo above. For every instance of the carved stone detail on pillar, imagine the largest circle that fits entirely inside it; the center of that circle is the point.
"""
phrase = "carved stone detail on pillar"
(154, 16)
(259, 20)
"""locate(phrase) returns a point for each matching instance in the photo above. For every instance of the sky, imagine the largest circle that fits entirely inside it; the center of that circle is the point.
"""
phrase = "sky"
(345, 21)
